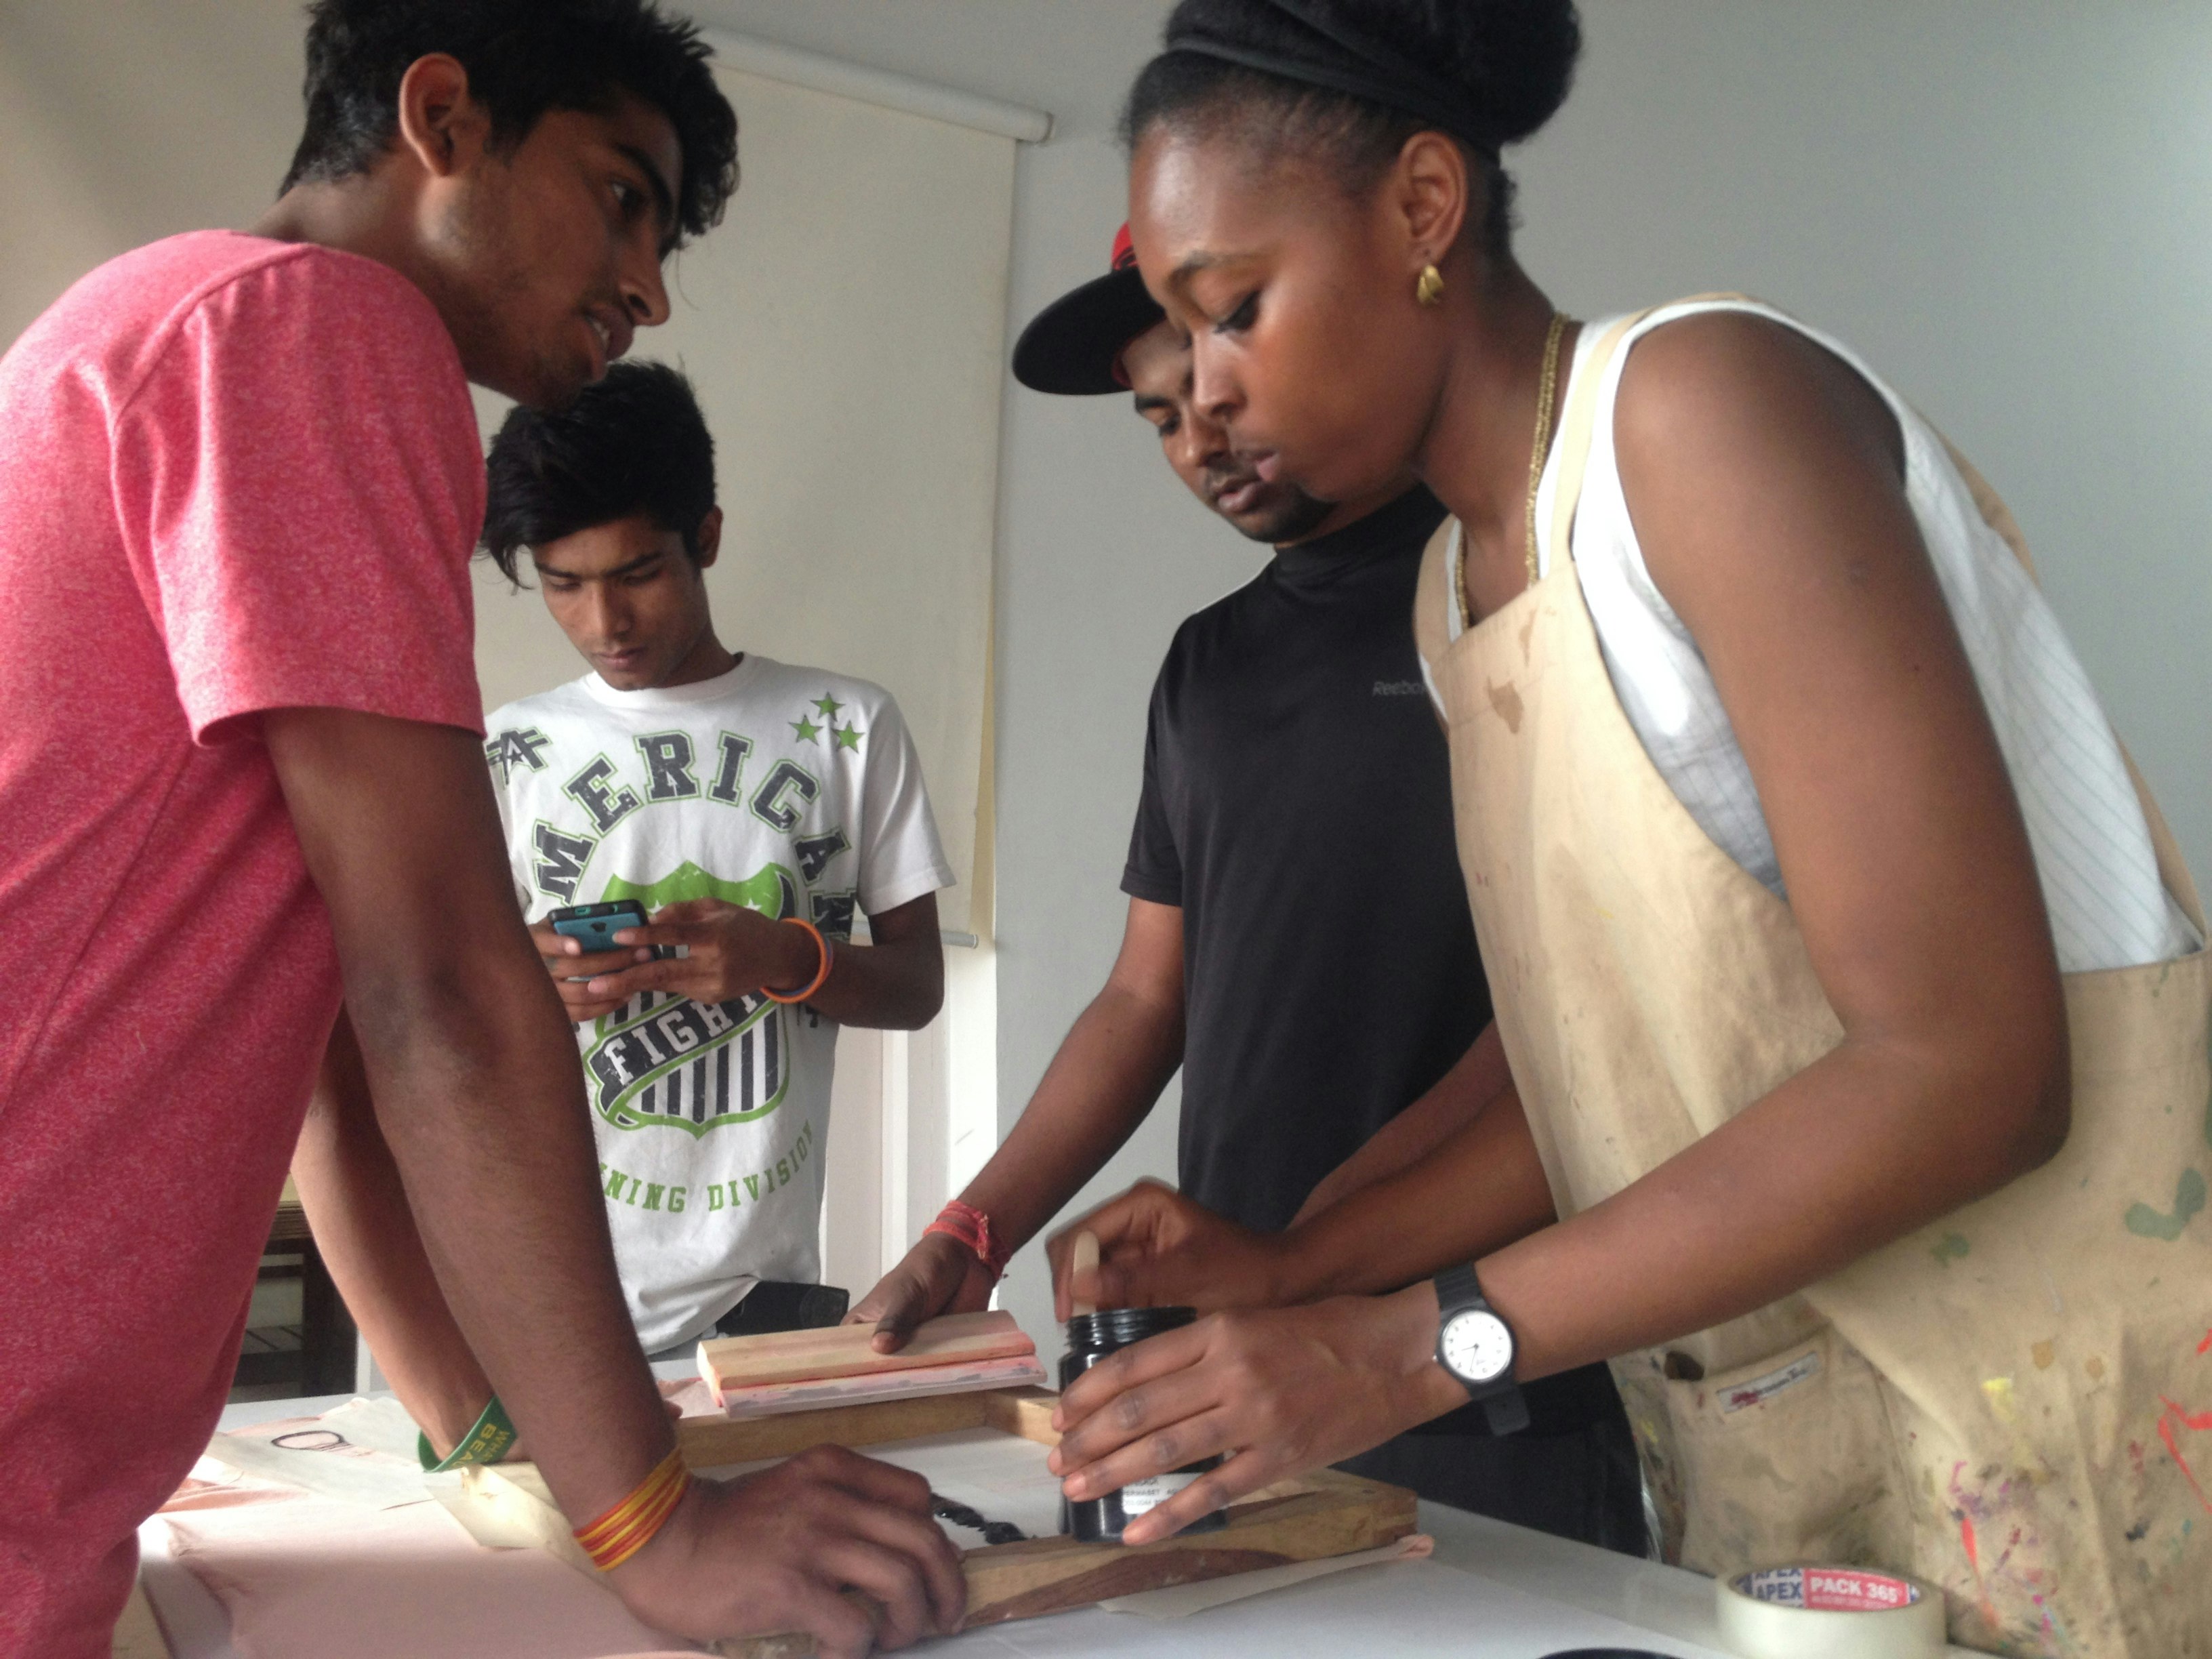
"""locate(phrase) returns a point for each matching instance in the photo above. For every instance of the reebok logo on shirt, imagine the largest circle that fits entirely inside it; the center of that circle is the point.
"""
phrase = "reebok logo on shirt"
(1398, 688)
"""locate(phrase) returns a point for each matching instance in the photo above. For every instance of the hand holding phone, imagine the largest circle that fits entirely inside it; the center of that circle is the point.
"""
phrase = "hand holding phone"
(593, 927)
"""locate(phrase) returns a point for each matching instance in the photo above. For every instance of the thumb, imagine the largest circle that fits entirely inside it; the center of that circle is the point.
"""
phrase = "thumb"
(906, 1304)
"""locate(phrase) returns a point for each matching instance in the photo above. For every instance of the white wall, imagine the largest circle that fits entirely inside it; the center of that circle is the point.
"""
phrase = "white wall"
(128, 120)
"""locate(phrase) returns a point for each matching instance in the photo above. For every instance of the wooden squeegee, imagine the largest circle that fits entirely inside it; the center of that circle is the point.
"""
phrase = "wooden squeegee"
(940, 1349)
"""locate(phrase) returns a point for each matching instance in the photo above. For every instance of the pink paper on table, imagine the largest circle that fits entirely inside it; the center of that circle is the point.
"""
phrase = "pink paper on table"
(316, 1578)
(690, 1395)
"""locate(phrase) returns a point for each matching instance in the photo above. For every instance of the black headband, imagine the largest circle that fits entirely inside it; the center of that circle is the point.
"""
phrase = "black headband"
(1379, 73)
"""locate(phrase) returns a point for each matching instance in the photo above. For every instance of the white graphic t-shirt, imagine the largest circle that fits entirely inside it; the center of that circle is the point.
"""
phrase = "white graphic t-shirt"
(792, 790)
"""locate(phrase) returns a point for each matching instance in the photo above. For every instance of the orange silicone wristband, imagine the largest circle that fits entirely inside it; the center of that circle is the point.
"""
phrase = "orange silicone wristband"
(820, 974)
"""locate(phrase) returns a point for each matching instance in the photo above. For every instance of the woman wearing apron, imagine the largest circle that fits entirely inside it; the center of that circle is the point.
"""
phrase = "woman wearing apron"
(1855, 995)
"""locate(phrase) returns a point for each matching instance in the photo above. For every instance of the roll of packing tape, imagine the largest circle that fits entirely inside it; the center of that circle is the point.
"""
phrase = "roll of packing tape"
(1830, 1613)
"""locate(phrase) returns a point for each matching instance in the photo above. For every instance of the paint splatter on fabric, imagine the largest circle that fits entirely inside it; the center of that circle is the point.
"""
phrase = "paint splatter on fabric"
(2171, 1418)
(2188, 1199)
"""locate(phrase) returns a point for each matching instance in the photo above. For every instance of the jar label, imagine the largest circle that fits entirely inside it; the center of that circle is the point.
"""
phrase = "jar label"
(1140, 1496)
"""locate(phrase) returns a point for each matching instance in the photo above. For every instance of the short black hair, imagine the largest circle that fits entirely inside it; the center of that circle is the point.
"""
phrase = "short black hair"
(634, 443)
(1514, 59)
(523, 59)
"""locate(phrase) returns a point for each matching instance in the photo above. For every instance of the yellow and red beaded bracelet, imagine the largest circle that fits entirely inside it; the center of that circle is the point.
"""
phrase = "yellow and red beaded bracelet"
(629, 1527)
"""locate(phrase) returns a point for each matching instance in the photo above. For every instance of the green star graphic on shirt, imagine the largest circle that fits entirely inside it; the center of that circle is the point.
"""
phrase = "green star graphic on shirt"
(829, 707)
(848, 736)
(807, 730)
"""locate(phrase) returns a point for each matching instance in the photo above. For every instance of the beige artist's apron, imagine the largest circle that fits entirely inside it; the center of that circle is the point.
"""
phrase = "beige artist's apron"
(2009, 1403)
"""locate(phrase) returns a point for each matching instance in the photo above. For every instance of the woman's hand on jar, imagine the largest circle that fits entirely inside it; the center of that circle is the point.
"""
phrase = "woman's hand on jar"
(1280, 1390)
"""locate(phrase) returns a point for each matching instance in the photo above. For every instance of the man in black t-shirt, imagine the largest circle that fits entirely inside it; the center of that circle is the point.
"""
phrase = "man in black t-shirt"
(1298, 942)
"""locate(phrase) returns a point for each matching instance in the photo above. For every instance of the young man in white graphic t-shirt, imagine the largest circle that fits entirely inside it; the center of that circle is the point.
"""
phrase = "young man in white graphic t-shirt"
(748, 807)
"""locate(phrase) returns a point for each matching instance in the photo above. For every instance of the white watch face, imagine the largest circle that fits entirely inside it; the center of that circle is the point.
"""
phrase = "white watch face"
(1477, 1346)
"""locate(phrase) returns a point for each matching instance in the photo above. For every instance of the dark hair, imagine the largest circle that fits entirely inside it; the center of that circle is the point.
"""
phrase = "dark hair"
(634, 443)
(1512, 60)
(523, 59)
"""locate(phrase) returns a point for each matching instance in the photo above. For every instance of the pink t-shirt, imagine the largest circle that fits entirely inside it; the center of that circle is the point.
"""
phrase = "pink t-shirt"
(235, 475)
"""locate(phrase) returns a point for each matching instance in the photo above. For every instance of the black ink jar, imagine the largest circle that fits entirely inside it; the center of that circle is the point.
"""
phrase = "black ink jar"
(1091, 1338)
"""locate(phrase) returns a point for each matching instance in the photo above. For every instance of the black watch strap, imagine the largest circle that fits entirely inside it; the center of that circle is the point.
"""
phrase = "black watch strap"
(1503, 1406)
(1508, 1412)
(1458, 1287)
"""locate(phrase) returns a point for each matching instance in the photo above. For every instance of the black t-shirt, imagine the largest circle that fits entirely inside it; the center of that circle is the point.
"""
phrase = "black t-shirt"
(1297, 807)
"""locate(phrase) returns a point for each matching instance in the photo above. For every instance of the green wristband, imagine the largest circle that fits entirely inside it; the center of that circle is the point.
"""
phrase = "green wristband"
(487, 1443)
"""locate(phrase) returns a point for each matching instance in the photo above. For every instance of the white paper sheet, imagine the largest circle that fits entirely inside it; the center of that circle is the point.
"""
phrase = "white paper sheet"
(323, 1578)
(362, 1452)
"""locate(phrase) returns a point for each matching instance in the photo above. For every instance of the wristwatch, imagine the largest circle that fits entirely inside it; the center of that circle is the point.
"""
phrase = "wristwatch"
(1475, 1344)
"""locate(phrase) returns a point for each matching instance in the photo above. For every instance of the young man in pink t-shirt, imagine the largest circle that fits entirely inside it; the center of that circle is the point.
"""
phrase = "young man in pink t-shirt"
(242, 774)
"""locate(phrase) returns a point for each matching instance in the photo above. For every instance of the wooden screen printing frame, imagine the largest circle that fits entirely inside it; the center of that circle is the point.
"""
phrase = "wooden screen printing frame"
(1318, 1515)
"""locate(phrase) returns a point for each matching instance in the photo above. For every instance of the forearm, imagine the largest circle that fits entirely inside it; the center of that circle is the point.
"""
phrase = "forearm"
(365, 1230)
(893, 986)
(1845, 1157)
(1482, 1187)
(1849, 1154)
(1108, 1074)
(483, 1108)
(472, 1067)
(1457, 1100)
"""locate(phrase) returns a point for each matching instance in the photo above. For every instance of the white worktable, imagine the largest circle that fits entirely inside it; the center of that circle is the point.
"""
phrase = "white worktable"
(1671, 1608)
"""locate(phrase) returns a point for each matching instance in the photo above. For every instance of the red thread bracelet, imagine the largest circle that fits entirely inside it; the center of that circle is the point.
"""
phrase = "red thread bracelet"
(969, 1225)
(829, 955)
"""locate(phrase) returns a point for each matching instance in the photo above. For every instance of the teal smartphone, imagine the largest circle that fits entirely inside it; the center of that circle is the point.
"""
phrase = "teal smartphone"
(594, 925)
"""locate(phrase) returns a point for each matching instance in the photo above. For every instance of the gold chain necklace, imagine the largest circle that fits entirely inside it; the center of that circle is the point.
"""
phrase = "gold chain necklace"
(1548, 387)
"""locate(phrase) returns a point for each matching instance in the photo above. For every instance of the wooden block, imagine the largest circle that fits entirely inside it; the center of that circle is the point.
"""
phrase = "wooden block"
(711, 1442)
(1019, 1370)
(1025, 1412)
(739, 1362)
(1334, 1514)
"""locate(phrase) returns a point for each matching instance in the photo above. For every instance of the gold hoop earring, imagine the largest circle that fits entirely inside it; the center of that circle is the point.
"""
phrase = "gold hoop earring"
(1429, 287)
